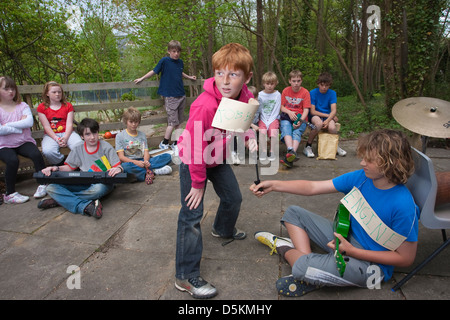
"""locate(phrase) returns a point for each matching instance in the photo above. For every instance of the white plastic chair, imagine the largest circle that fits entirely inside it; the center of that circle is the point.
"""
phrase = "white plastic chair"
(423, 186)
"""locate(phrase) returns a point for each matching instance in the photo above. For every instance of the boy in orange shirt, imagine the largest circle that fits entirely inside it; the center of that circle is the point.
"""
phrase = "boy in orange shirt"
(295, 100)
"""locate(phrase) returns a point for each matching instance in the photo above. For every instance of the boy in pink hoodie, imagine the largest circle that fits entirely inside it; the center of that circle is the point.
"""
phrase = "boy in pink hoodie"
(203, 151)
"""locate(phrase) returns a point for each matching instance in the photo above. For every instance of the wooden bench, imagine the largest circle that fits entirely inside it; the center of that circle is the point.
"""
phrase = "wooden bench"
(34, 91)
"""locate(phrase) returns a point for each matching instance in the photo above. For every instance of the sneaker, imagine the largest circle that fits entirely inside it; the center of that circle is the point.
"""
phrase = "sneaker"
(272, 241)
(40, 191)
(164, 170)
(272, 156)
(196, 287)
(291, 155)
(341, 152)
(263, 156)
(175, 155)
(164, 146)
(308, 152)
(94, 209)
(15, 198)
(286, 163)
(235, 158)
(290, 287)
(47, 204)
(237, 234)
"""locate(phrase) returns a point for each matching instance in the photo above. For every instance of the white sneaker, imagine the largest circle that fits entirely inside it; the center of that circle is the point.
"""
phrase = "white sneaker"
(164, 170)
(235, 158)
(174, 147)
(308, 152)
(272, 241)
(163, 145)
(41, 191)
(272, 157)
(15, 198)
(263, 156)
(341, 152)
(175, 155)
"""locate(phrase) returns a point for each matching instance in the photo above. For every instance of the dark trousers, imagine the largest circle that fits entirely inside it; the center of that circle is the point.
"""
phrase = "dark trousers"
(189, 235)
(10, 157)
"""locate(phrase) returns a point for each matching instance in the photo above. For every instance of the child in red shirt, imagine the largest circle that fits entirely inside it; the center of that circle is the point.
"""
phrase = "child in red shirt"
(56, 116)
(295, 100)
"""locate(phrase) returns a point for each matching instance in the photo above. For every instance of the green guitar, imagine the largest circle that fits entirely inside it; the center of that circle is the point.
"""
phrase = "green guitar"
(341, 225)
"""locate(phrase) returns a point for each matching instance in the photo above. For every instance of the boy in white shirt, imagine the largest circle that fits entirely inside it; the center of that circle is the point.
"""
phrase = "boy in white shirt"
(268, 112)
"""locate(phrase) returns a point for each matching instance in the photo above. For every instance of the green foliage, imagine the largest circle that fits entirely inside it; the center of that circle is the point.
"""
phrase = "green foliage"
(308, 62)
(355, 120)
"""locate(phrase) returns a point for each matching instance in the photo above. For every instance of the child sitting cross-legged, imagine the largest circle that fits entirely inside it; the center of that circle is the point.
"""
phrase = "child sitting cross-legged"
(132, 149)
(369, 257)
(92, 155)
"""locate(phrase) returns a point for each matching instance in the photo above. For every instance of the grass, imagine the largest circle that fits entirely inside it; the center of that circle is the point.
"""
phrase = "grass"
(355, 119)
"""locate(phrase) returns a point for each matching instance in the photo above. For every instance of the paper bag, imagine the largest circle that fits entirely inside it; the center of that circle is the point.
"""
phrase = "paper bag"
(327, 145)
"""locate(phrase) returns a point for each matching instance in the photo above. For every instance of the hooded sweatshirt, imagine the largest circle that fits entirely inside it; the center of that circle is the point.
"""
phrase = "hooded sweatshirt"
(202, 146)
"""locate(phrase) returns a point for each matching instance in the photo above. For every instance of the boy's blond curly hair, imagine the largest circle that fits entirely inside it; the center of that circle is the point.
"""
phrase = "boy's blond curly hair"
(391, 151)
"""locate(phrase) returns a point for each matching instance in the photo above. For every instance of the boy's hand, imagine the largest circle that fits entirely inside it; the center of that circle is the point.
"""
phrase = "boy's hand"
(194, 198)
(292, 115)
(137, 81)
(48, 171)
(252, 145)
(344, 246)
(139, 163)
(113, 171)
(266, 187)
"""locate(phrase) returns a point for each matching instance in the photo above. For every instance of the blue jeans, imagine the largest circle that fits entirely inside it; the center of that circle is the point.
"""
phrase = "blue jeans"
(286, 129)
(155, 163)
(76, 197)
(189, 235)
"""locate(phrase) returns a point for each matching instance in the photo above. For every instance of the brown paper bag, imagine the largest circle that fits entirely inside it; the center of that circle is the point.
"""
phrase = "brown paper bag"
(327, 145)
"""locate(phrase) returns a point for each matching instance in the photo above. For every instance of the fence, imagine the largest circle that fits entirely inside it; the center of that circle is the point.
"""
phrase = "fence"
(28, 91)
(32, 93)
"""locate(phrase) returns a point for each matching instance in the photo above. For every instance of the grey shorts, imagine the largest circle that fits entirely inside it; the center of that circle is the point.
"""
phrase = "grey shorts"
(175, 109)
(320, 268)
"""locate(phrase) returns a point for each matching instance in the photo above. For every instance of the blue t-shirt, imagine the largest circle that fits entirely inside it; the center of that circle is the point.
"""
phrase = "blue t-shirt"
(323, 101)
(171, 82)
(394, 206)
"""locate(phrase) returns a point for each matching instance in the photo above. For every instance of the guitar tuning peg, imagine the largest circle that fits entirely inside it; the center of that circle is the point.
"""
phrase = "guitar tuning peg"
(346, 259)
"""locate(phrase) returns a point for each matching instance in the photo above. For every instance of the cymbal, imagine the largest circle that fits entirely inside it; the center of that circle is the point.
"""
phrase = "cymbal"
(426, 116)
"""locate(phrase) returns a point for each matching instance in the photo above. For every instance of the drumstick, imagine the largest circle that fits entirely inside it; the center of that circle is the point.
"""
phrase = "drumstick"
(257, 181)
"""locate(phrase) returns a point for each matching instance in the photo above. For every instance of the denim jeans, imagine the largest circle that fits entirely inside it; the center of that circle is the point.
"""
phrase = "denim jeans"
(286, 129)
(155, 163)
(189, 235)
(75, 197)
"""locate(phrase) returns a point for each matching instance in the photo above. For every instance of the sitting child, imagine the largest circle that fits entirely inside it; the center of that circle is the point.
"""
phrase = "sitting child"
(84, 198)
(15, 139)
(268, 113)
(132, 149)
(378, 191)
(56, 116)
(295, 101)
(323, 112)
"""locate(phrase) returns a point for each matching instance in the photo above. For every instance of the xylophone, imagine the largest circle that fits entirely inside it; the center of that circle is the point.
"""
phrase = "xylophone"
(83, 177)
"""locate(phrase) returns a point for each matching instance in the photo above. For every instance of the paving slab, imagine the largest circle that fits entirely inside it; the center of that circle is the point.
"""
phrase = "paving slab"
(129, 254)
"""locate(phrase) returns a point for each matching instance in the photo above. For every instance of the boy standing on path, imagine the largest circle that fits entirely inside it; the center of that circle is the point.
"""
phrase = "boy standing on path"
(204, 159)
(172, 89)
